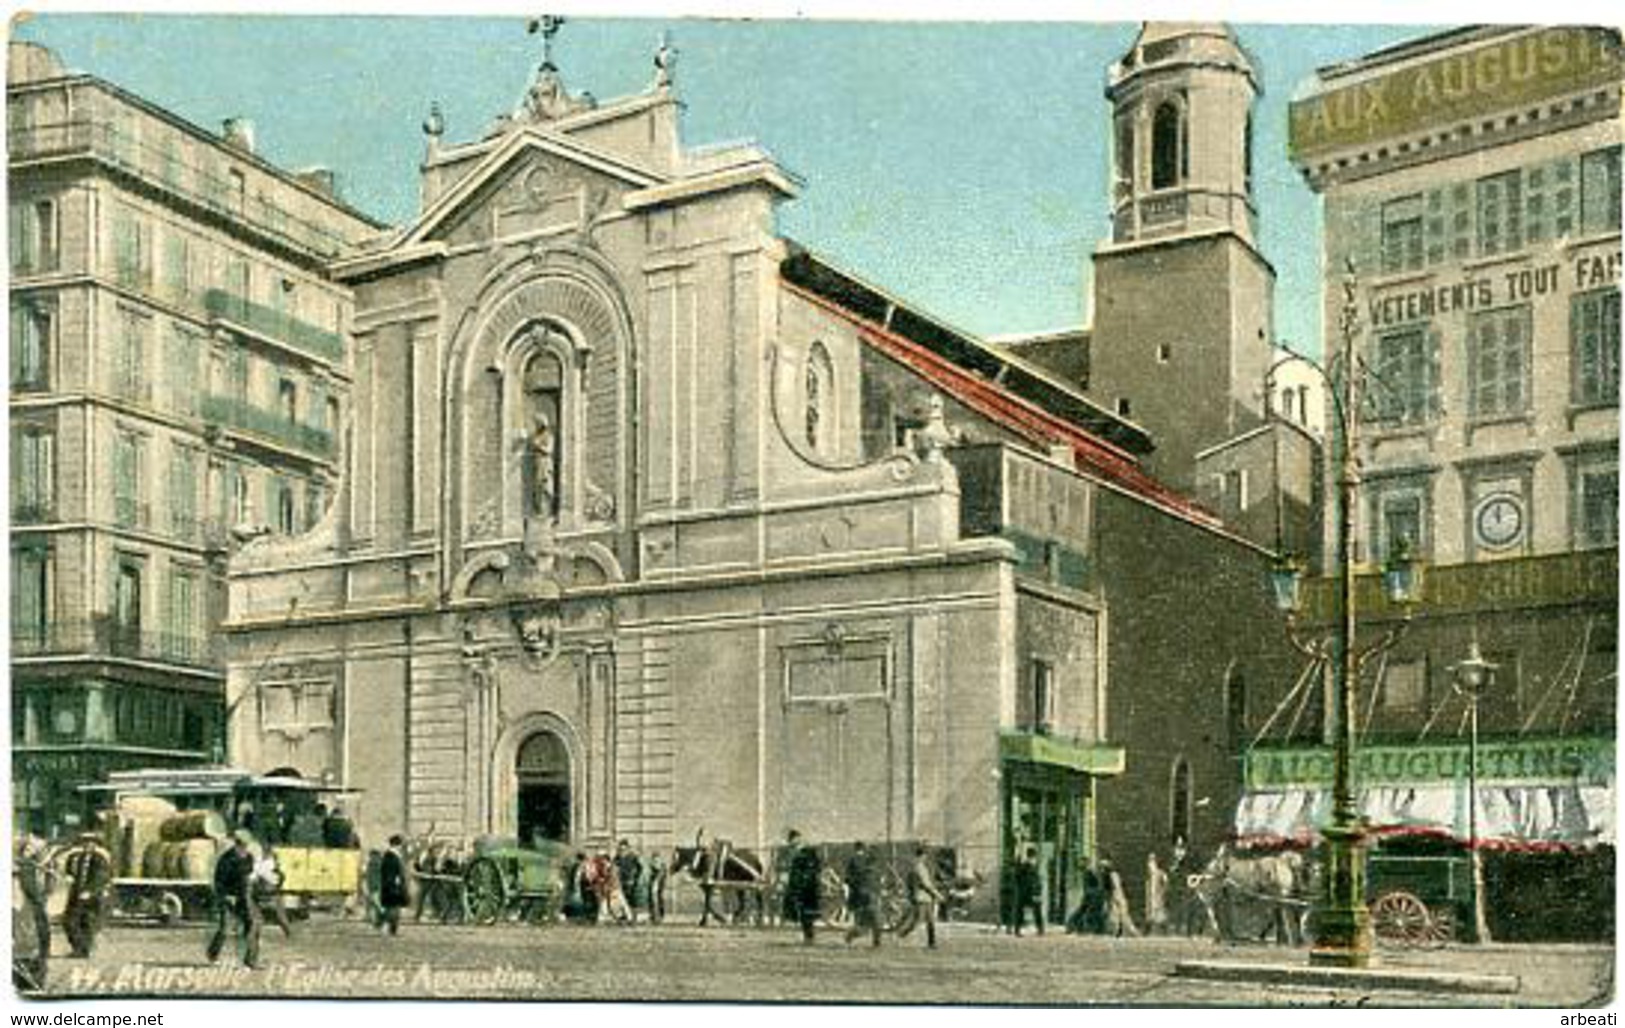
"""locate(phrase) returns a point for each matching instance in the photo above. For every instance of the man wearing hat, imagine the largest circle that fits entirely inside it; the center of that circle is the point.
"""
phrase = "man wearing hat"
(234, 900)
(392, 890)
(90, 876)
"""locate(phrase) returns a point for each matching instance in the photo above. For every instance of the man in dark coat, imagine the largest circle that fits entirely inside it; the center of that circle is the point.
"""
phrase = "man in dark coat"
(90, 876)
(1029, 889)
(629, 867)
(234, 901)
(31, 946)
(392, 890)
(862, 894)
(801, 896)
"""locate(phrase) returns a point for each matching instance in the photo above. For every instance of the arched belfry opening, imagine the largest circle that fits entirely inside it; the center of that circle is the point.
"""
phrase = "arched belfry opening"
(542, 773)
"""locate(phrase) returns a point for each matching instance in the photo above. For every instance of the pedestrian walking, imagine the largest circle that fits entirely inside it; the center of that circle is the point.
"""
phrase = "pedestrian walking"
(629, 867)
(802, 901)
(607, 881)
(923, 896)
(1029, 889)
(1156, 896)
(90, 875)
(234, 901)
(1119, 918)
(657, 888)
(392, 887)
(33, 876)
(266, 887)
(862, 894)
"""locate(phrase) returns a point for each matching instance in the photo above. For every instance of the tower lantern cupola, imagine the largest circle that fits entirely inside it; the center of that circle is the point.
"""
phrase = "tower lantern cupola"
(1182, 101)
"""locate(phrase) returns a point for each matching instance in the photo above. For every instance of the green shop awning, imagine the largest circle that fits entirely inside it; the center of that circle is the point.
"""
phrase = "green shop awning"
(1059, 751)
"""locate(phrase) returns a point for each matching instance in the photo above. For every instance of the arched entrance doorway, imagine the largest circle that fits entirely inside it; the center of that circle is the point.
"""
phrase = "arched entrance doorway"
(542, 771)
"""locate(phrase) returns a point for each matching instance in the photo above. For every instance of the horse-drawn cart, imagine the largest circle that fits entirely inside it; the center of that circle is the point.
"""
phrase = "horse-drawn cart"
(739, 884)
(1418, 889)
(505, 879)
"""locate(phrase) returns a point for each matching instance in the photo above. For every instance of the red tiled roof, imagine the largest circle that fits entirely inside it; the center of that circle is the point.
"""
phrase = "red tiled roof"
(1091, 454)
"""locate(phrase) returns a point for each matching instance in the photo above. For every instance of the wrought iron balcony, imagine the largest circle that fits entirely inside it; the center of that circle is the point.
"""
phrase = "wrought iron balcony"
(198, 185)
(276, 325)
(269, 425)
(1557, 579)
(106, 637)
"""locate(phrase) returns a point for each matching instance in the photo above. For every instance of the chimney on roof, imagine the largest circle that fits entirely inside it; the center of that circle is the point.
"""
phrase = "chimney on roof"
(238, 133)
(320, 179)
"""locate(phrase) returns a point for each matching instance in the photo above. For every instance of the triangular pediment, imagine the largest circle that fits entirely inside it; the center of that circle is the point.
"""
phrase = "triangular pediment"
(527, 171)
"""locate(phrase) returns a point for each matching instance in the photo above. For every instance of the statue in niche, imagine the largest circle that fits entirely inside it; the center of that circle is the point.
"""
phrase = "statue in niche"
(544, 382)
(543, 476)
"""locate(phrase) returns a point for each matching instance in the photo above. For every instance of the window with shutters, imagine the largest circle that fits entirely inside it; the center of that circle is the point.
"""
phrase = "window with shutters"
(1596, 512)
(33, 226)
(132, 249)
(177, 265)
(183, 464)
(128, 509)
(128, 574)
(316, 408)
(30, 347)
(1599, 191)
(1041, 701)
(30, 596)
(130, 358)
(1404, 388)
(1594, 347)
(315, 502)
(283, 504)
(33, 474)
(182, 364)
(1498, 362)
(1402, 234)
(182, 639)
(1500, 213)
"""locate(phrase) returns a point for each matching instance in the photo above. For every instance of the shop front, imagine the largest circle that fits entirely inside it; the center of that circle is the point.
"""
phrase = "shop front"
(1048, 802)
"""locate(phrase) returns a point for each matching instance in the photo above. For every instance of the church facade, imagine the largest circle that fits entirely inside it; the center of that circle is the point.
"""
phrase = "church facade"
(656, 522)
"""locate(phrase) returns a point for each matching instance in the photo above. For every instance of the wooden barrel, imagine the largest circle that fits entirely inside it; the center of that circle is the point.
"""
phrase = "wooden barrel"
(152, 860)
(193, 824)
(197, 859)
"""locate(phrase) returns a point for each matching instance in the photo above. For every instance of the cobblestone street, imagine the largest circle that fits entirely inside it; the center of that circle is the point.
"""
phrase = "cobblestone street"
(685, 963)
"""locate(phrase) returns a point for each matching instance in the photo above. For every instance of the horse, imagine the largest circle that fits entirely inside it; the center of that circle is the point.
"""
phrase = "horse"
(1276, 881)
(724, 872)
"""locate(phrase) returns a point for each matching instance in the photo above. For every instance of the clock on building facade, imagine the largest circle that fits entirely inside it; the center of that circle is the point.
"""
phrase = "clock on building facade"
(1499, 521)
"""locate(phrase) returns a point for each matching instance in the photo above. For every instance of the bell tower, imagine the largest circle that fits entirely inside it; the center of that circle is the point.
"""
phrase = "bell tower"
(1182, 296)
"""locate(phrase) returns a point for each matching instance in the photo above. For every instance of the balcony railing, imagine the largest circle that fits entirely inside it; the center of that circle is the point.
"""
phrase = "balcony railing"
(277, 325)
(107, 143)
(1558, 579)
(105, 637)
(269, 425)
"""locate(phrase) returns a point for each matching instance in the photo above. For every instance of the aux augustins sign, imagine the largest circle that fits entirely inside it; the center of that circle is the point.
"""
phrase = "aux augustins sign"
(1576, 760)
(1509, 72)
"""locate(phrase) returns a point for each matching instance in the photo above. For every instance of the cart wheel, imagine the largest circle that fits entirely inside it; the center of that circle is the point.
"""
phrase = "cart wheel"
(832, 897)
(1444, 927)
(1400, 919)
(894, 908)
(170, 909)
(487, 896)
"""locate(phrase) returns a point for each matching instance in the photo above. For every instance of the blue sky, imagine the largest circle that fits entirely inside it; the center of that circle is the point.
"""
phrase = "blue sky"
(962, 166)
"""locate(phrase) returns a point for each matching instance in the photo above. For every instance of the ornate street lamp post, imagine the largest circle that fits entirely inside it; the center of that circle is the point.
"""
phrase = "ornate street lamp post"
(1342, 919)
(1470, 678)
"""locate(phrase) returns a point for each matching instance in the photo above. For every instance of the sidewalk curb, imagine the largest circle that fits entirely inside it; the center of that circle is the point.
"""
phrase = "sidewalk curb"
(1346, 978)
